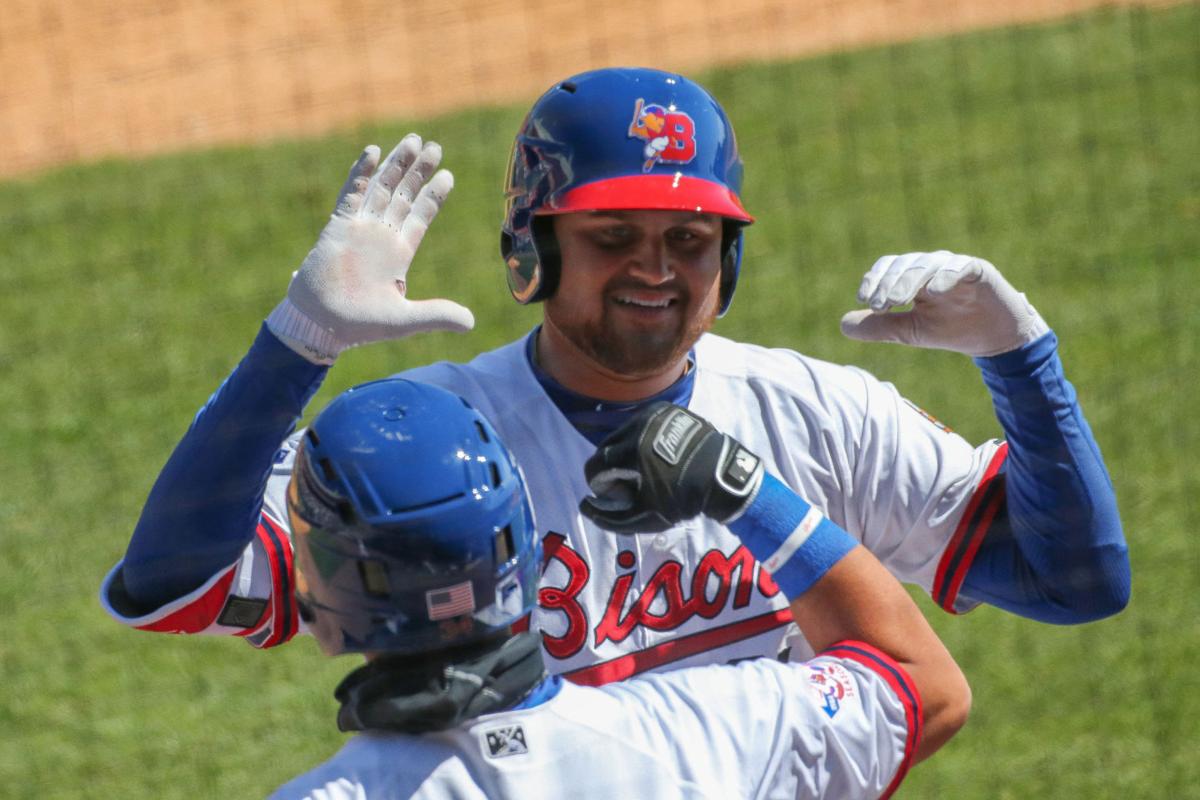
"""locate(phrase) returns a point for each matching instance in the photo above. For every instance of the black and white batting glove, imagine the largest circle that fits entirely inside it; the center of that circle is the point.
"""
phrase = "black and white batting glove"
(959, 303)
(664, 466)
(352, 288)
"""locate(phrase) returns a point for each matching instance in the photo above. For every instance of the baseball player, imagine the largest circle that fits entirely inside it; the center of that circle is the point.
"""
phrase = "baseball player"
(415, 544)
(632, 267)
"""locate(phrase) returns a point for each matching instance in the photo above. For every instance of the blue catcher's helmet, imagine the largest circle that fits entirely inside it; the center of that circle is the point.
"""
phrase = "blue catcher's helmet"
(411, 525)
(618, 139)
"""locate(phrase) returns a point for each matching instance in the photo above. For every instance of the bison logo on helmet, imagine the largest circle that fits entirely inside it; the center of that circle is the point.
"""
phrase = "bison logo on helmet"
(670, 135)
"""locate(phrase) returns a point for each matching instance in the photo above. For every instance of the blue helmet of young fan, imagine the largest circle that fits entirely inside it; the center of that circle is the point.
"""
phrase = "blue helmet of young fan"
(618, 139)
(411, 525)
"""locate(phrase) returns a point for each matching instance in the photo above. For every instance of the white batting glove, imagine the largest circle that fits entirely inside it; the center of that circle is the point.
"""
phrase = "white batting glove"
(351, 289)
(959, 303)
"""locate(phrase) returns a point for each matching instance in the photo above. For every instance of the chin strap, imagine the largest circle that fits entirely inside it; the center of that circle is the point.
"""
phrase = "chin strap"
(407, 694)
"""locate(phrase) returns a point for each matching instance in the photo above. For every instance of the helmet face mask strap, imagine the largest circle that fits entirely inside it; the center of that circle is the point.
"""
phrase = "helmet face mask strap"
(618, 139)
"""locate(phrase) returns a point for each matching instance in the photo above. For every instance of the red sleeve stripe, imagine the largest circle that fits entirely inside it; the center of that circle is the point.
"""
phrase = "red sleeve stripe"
(199, 613)
(900, 682)
(959, 554)
(283, 602)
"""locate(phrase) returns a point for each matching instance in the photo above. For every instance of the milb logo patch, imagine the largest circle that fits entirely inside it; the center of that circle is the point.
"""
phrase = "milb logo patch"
(506, 741)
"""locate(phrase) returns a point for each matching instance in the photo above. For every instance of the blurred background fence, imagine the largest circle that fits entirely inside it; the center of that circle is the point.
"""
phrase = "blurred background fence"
(164, 166)
(90, 78)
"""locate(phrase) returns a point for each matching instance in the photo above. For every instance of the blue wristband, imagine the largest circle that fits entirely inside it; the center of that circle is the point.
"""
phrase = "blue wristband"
(793, 541)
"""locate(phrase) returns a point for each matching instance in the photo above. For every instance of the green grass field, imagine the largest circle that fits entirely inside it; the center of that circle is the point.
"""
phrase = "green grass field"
(1067, 154)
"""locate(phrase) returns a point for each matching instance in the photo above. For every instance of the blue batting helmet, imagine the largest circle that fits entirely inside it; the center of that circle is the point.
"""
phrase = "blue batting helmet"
(411, 524)
(618, 139)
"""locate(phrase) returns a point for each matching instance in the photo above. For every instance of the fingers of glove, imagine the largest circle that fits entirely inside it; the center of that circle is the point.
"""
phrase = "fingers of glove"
(350, 197)
(434, 315)
(873, 276)
(873, 326)
(629, 521)
(390, 173)
(422, 168)
(430, 199)
(920, 274)
(411, 182)
(618, 452)
(909, 271)
(956, 271)
(615, 489)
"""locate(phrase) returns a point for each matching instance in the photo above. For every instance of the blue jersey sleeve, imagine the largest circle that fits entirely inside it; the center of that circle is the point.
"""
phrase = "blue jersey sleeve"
(1056, 552)
(204, 507)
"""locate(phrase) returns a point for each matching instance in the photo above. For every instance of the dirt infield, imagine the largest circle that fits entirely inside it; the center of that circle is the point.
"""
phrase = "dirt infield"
(90, 78)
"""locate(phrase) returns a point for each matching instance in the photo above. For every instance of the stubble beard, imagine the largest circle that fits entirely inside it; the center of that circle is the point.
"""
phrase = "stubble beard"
(627, 350)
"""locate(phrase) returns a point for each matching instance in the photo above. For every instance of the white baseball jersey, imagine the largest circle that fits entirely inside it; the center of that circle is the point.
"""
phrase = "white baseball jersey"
(837, 727)
(613, 606)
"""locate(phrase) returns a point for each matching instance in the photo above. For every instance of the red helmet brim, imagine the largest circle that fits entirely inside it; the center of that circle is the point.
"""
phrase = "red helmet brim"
(676, 192)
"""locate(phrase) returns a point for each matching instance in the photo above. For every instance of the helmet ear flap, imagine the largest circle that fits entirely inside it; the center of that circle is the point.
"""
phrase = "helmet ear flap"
(549, 255)
(732, 239)
(532, 271)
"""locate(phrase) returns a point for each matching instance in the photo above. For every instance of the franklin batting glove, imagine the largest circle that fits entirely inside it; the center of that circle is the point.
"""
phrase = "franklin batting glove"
(352, 288)
(666, 465)
(959, 303)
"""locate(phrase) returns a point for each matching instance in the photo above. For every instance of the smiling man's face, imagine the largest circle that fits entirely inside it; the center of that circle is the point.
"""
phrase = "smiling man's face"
(637, 288)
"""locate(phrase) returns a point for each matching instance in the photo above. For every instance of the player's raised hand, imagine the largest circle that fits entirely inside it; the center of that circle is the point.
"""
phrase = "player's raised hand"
(959, 303)
(666, 465)
(352, 288)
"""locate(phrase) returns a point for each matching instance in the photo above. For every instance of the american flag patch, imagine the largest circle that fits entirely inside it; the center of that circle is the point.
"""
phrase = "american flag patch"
(450, 601)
